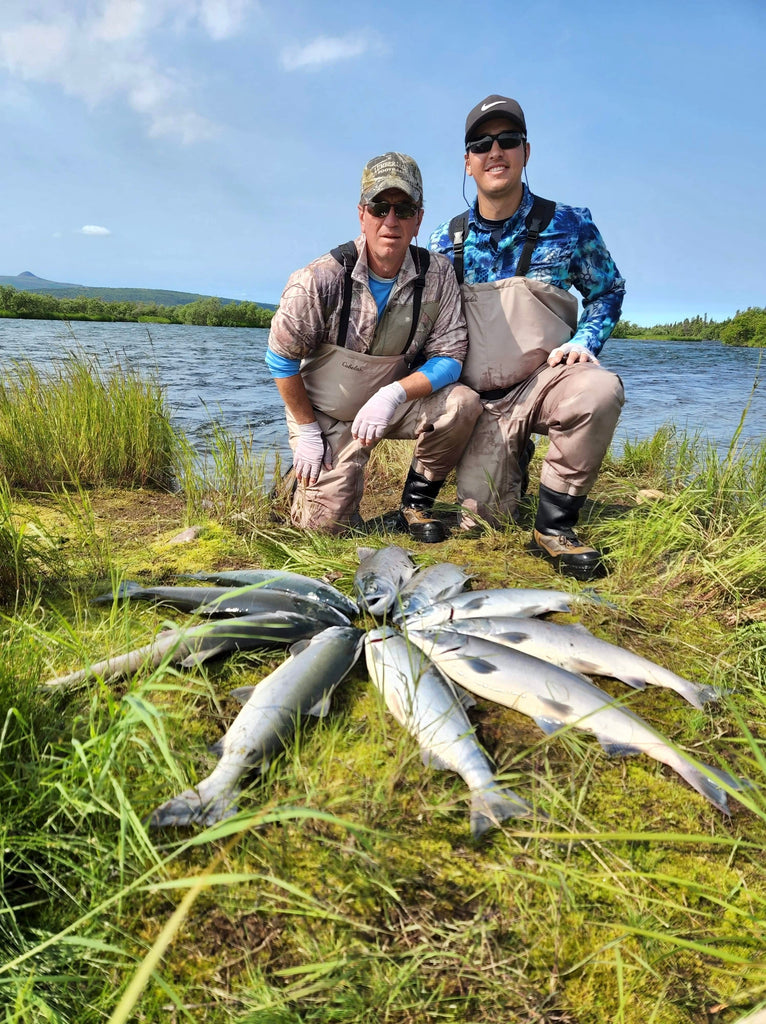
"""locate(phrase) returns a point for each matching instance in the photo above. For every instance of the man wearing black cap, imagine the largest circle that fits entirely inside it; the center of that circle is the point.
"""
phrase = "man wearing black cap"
(532, 361)
(368, 342)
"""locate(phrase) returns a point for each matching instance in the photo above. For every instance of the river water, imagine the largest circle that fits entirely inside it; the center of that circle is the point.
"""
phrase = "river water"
(217, 374)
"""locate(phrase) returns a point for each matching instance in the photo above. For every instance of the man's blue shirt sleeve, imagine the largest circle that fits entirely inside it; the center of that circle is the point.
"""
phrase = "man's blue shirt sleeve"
(441, 370)
(281, 366)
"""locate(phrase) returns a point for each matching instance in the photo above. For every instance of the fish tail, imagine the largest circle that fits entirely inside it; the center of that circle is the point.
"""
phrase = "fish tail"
(707, 694)
(491, 806)
(188, 808)
(699, 779)
(127, 589)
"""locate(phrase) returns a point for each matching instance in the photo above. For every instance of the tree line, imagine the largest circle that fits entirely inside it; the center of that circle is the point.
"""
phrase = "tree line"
(206, 312)
(747, 328)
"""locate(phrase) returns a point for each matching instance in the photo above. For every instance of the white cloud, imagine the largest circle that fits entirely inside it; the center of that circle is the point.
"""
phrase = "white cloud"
(222, 18)
(94, 229)
(102, 50)
(324, 50)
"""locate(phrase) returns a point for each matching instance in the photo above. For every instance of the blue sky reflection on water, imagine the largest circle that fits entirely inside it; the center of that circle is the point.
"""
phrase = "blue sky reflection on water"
(217, 374)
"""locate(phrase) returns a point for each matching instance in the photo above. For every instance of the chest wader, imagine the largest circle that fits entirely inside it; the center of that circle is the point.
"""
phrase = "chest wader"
(518, 322)
(339, 382)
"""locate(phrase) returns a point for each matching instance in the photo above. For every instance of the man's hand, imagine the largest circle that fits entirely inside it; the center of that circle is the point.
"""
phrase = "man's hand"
(372, 420)
(311, 453)
(571, 352)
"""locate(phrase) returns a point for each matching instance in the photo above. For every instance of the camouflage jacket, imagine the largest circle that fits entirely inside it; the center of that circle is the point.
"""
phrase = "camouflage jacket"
(310, 307)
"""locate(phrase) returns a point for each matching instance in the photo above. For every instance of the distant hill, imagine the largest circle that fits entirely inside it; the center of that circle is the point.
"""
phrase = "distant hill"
(29, 282)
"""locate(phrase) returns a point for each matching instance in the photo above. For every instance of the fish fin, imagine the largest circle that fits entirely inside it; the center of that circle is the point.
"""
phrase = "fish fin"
(562, 710)
(297, 647)
(216, 748)
(635, 681)
(242, 693)
(322, 707)
(365, 552)
(187, 809)
(432, 760)
(466, 699)
(614, 749)
(475, 602)
(481, 666)
(548, 725)
(493, 805)
(197, 657)
(515, 636)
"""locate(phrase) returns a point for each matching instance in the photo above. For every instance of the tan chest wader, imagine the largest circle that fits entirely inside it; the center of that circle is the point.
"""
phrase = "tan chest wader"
(339, 382)
(513, 325)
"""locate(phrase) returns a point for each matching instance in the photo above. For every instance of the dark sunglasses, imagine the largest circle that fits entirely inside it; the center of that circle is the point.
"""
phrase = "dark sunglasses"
(402, 211)
(505, 140)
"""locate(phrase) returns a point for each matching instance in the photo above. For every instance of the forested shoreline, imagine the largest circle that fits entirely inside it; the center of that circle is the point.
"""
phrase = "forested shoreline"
(206, 312)
(747, 328)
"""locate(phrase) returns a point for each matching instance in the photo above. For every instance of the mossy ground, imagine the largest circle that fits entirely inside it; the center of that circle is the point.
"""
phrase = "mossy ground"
(349, 889)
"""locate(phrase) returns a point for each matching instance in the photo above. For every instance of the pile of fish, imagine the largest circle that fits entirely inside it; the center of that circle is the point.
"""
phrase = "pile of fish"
(438, 648)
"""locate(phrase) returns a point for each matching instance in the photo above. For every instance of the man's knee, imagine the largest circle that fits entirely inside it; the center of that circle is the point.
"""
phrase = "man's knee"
(466, 402)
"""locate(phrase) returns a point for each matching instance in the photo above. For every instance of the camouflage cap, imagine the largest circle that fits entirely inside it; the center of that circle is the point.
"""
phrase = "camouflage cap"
(392, 170)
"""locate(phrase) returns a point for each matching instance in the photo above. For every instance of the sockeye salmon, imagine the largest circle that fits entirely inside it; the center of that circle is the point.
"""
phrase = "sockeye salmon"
(301, 685)
(426, 705)
(555, 697)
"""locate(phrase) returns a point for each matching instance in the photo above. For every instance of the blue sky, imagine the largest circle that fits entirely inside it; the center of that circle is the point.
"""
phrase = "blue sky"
(213, 146)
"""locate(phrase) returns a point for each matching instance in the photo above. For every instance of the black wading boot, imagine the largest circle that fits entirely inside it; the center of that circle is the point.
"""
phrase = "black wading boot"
(554, 539)
(418, 499)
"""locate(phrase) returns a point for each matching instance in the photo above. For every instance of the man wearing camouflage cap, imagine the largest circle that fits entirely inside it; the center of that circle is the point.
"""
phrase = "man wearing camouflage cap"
(368, 342)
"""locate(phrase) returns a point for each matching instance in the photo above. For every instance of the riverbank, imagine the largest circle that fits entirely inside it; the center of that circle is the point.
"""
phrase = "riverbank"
(348, 888)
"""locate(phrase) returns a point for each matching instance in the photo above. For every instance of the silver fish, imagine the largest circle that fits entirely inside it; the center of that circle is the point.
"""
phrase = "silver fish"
(505, 603)
(301, 685)
(381, 574)
(577, 649)
(427, 586)
(280, 579)
(226, 601)
(554, 697)
(192, 645)
(426, 705)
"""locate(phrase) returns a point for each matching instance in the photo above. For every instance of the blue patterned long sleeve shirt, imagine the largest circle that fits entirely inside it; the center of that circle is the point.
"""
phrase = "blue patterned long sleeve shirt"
(570, 252)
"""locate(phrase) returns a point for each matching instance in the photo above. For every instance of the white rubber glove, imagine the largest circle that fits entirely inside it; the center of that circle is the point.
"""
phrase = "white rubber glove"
(372, 420)
(571, 352)
(311, 453)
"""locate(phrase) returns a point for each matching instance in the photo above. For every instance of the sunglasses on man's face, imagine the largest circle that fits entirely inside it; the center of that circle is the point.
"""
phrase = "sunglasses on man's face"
(402, 211)
(505, 140)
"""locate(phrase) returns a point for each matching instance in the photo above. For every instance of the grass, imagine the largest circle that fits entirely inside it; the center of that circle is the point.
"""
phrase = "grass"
(347, 888)
(80, 425)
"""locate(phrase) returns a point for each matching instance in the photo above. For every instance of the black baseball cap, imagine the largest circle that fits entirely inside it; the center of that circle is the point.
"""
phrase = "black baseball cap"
(494, 106)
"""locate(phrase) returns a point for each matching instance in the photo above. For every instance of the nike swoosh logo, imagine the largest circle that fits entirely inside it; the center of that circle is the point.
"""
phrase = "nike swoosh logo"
(486, 106)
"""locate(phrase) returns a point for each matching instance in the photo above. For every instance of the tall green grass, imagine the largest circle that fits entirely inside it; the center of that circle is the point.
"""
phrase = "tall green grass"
(233, 483)
(347, 888)
(80, 424)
